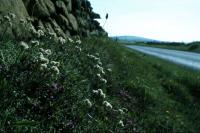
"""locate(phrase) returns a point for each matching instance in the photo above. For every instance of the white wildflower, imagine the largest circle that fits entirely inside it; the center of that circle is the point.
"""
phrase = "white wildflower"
(43, 66)
(55, 69)
(52, 35)
(109, 70)
(35, 42)
(55, 63)
(40, 27)
(12, 15)
(48, 52)
(40, 33)
(103, 80)
(99, 63)
(43, 59)
(70, 40)
(121, 123)
(78, 42)
(78, 48)
(57, 29)
(99, 75)
(121, 111)
(7, 18)
(61, 40)
(97, 66)
(24, 45)
(99, 92)
(32, 29)
(29, 19)
(107, 104)
(95, 92)
(22, 21)
(88, 102)
(100, 68)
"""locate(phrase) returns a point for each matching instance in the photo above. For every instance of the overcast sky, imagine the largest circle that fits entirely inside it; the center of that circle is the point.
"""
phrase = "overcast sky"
(167, 20)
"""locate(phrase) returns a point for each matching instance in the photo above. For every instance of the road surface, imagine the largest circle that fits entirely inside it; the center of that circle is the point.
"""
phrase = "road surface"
(188, 59)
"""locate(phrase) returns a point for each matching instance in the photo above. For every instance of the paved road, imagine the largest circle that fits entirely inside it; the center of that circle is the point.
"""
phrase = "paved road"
(188, 59)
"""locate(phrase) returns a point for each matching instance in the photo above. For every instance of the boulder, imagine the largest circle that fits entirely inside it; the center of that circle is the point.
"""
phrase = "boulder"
(68, 3)
(58, 30)
(62, 7)
(43, 8)
(15, 6)
(12, 6)
(63, 21)
(72, 22)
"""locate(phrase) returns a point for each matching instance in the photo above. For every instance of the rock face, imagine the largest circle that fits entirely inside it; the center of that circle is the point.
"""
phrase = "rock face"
(73, 17)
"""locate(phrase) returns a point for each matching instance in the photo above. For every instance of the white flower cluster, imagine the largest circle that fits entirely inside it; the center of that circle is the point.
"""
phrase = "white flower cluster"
(100, 68)
(121, 123)
(9, 18)
(101, 79)
(78, 41)
(23, 21)
(40, 33)
(55, 63)
(61, 40)
(35, 42)
(107, 104)
(88, 102)
(46, 52)
(51, 35)
(70, 40)
(45, 61)
(12, 15)
(100, 93)
(78, 48)
(55, 69)
(93, 57)
(24, 45)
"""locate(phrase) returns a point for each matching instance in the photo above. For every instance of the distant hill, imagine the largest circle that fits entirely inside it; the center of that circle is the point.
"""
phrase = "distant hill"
(133, 39)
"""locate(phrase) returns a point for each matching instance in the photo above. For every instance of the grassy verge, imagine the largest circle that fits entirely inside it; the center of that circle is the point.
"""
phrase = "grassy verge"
(93, 86)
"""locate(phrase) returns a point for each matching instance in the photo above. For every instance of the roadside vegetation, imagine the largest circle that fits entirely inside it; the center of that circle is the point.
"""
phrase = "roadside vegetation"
(190, 47)
(55, 84)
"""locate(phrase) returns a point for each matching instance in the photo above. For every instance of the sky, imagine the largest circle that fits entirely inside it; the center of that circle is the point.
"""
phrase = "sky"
(165, 20)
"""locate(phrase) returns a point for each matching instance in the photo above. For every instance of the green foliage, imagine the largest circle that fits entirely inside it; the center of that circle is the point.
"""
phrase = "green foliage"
(93, 86)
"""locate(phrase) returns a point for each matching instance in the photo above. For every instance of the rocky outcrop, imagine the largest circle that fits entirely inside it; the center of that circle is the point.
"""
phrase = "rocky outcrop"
(72, 17)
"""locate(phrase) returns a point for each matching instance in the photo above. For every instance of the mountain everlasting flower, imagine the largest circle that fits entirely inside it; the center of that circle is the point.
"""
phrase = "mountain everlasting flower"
(121, 111)
(78, 41)
(99, 75)
(43, 66)
(24, 45)
(7, 18)
(22, 21)
(103, 80)
(55, 63)
(107, 104)
(43, 59)
(55, 69)
(70, 40)
(12, 15)
(88, 102)
(61, 40)
(99, 92)
(40, 33)
(121, 123)
(36, 43)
